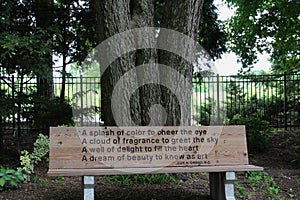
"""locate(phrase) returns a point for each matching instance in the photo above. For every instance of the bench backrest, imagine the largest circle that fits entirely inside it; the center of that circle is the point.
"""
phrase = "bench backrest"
(145, 148)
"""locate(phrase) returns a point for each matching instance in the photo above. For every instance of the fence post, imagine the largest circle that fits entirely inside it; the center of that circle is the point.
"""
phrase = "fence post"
(285, 101)
(218, 100)
(13, 100)
(81, 100)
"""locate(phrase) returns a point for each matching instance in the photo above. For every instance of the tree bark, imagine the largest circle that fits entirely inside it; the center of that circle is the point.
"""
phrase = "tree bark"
(116, 16)
(181, 16)
(142, 15)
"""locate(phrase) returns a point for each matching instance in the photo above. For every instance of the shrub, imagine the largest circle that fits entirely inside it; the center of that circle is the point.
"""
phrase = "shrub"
(10, 178)
(41, 149)
(203, 112)
(51, 112)
(257, 131)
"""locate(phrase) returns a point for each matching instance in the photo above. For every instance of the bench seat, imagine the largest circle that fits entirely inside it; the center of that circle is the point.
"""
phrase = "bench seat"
(99, 172)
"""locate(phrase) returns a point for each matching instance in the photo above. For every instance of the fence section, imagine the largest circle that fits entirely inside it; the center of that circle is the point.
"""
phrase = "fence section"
(274, 98)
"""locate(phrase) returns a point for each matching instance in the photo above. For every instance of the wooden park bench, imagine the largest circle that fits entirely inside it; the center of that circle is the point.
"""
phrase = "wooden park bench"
(94, 151)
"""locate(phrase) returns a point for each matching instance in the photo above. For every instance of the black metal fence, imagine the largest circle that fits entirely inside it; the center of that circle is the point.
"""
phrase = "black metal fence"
(275, 98)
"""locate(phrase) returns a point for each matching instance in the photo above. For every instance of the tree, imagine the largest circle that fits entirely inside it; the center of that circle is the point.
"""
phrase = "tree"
(270, 26)
(211, 31)
(22, 44)
(75, 34)
(117, 16)
(24, 50)
(42, 10)
(212, 35)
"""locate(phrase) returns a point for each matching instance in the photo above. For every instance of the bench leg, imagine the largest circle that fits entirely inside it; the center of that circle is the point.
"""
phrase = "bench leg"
(222, 185)
(88, 187)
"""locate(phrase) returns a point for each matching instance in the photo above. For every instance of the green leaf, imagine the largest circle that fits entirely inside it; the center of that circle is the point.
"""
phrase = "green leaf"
(20, 177)
(14, 183)
(7, 178)
(2, 182)
(10, 171)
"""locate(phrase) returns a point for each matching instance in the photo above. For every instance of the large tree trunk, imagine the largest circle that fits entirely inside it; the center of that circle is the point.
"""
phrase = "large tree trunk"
(114, 18)
(181, 16)
(142, 15)
(117, 16)
(44, 19)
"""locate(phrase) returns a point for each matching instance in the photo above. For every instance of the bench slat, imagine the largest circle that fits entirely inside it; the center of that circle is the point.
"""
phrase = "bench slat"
(98, 172)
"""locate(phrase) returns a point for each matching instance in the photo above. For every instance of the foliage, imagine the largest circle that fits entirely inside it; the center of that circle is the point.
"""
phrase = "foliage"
(203, 112)
(291, 89)
(263, 97)
(241, 100)
(26, 162)
(32, 30)
(7, 110)
(259, 180)
(76, 30)
(235, 96)
(257, 131)
(212, 36)
(51, 112)
(270, 26)
(41, 148)
(10, 178)
(241, 191)
(211, 32)
(23, 46)
(291, 193)
(128, 180)
(40, 151)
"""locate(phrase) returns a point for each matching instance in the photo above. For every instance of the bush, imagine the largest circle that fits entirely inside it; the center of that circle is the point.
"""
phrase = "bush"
(203, 112)
(40, 151)
(257, 131)
(10, 178)
(51, 112)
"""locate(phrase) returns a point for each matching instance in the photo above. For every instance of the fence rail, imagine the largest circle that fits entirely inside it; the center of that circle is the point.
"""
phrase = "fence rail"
(274, 98)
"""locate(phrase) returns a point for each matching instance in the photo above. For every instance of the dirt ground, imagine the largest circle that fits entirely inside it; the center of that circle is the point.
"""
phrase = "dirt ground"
(277, 162)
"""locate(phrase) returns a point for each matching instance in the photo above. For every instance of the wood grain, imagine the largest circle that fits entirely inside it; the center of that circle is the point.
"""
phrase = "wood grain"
(71, 148)
(99, 172)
